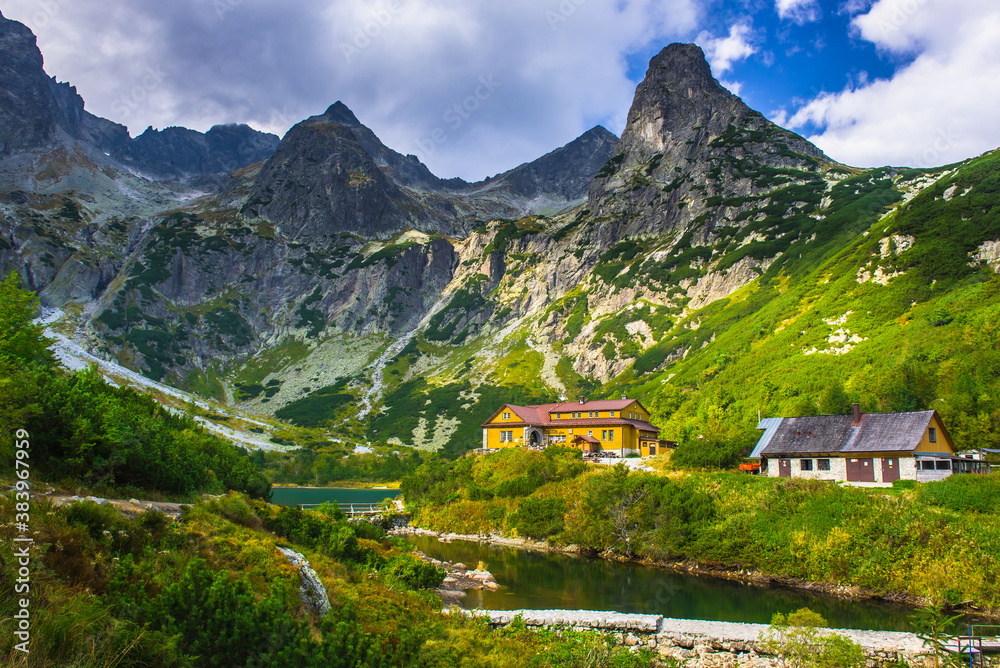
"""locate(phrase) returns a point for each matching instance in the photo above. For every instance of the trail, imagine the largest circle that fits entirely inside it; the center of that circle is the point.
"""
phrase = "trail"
(75, 358)
(378, 366)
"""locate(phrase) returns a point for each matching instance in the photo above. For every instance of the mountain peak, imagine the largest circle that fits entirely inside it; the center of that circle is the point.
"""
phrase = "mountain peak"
(338, 112)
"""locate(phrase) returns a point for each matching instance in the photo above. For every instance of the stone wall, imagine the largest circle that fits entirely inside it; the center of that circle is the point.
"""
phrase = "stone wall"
(706, 644)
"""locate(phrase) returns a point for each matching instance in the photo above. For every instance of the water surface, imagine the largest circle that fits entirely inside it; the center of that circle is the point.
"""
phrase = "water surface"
(292, 496)
(540, 581)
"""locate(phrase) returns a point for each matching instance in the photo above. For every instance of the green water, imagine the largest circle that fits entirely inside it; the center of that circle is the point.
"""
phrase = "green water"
(293, 496)
(539, 581)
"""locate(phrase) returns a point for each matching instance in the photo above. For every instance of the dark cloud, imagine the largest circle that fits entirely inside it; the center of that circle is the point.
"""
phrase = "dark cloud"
(473, 88)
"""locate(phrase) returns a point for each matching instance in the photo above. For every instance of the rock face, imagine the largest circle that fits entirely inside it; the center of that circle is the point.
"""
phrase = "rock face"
(28, 110)
(325, 179)
(34, 108)
(179, 153)
(331, 174)
(686, 132)
(562, 176)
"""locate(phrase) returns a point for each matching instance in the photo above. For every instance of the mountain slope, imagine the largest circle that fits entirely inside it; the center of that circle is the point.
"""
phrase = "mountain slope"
(714, 265)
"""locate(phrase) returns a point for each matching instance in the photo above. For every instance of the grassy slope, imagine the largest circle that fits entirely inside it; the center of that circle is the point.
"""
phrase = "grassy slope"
(213, 590)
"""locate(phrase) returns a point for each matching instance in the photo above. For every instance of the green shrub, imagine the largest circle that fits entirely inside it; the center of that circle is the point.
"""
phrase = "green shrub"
(963, 493)
(539, 518)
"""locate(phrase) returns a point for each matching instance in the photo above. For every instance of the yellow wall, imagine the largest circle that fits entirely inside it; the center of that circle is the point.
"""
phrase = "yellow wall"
(942, 445)
(493, 437)
(624, 436)
(499, 419)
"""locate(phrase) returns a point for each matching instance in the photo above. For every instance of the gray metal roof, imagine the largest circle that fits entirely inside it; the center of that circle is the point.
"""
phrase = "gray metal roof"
(769, 425)
(876, 432)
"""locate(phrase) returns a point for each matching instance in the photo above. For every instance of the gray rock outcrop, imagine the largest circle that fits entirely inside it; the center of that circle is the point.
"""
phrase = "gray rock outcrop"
(312, 591)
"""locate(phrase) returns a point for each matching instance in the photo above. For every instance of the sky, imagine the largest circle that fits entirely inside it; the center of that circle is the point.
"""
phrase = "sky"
(476, 87)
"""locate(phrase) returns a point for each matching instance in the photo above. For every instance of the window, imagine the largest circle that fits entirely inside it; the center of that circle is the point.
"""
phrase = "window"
(611, 413)
(806, 464)
(604, 435)
(943, 465)
(506, 416)
(927, 465)
(590, 432)
(570, 431)
(506, 436)
(611, 434)
(933, 435)
(822, 464)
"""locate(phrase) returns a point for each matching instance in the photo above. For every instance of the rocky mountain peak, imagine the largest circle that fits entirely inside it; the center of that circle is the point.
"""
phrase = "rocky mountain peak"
(688, 139)
(338, 112)
(28, 112)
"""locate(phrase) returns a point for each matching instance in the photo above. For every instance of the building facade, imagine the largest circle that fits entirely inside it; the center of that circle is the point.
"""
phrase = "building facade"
(621, 426)
(867, 448)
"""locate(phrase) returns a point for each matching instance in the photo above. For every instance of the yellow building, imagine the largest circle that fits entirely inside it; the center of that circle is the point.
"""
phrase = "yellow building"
(620, 425)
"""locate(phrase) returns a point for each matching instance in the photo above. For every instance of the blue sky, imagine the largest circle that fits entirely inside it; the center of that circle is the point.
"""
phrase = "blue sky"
(474, 87)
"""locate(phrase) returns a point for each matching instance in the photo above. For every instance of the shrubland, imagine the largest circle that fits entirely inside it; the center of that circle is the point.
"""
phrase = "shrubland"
(937, 540)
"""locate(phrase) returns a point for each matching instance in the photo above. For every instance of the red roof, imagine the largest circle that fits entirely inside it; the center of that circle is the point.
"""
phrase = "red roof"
(606, 405)
(538, 416)
(589, 439)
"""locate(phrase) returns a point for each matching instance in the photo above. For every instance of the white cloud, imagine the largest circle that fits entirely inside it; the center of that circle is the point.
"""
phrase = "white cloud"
(401, 65)
(938, 108)
(722, 52)
(799, 11)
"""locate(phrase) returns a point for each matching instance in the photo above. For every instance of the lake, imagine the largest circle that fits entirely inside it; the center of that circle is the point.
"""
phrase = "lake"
(293, 496)
(541, 581)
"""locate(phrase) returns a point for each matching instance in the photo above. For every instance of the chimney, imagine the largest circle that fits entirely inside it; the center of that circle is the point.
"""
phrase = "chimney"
(581, 400)
(857, 414)
(624, 397)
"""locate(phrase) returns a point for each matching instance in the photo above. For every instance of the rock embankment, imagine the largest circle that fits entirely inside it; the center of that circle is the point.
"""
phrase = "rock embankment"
(706, 644)
(459, 579)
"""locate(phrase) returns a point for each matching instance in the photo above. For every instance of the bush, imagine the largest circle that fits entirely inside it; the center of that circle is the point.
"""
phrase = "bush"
(539, 518)
(798, 639)
(964, 493)
(416, 574)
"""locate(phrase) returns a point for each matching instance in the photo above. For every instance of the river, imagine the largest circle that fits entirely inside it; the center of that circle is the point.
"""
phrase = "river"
(293, 496)
(539, 581)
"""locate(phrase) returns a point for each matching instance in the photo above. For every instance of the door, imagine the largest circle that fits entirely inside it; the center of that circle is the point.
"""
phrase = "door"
(860, 470)
(784, 468)
(652, 450)
(890, 469)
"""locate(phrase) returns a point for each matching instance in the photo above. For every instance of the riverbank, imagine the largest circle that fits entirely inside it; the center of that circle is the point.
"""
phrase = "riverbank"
(826, 591)
(705, 644)
(936, 540)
